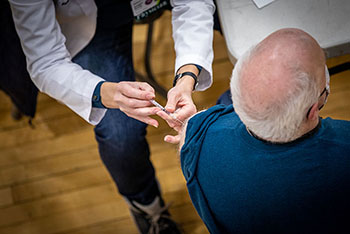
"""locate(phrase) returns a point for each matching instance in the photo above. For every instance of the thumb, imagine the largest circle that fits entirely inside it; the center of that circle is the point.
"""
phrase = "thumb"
(171, 104)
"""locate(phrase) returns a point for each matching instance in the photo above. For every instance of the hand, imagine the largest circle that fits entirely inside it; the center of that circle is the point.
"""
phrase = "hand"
(132, 98)
(181, 105)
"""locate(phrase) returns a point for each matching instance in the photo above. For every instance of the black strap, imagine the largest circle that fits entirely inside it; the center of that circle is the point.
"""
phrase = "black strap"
(180, 75)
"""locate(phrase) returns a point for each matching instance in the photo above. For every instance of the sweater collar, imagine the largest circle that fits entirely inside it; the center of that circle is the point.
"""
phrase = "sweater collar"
(305, 136)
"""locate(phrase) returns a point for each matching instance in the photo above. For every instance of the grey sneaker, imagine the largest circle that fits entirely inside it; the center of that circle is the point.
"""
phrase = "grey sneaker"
(153, 218)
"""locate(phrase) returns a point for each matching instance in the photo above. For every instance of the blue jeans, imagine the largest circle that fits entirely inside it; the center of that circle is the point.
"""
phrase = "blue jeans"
(121, 140)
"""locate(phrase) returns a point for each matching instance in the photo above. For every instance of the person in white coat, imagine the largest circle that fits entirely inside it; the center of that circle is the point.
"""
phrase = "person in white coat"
(79, 52)
(193, 25)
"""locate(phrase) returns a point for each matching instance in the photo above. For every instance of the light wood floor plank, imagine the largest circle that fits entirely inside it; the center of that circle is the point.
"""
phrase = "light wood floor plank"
(5, 197)
(59, 184)
(76, 218)
(61, 203)
(49, 166)
(77, 140)
(90, 215)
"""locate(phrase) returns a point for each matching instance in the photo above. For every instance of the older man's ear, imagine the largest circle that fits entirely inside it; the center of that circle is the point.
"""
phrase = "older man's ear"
(314, 112)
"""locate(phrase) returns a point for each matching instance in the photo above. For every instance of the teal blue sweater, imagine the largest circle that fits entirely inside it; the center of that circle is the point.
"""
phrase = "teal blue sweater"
(239, 184)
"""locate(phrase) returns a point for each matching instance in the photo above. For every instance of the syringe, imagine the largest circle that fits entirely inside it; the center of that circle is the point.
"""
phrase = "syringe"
(167, 112)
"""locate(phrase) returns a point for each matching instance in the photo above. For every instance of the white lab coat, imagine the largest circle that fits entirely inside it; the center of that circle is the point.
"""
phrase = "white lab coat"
(49, 45)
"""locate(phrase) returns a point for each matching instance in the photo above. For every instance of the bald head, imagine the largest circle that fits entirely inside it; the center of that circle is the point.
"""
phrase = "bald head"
(275, 83)
(268, 75)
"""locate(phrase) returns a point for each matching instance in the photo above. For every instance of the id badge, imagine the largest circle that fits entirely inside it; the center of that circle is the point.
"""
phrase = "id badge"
(139, 6)
(144, 8)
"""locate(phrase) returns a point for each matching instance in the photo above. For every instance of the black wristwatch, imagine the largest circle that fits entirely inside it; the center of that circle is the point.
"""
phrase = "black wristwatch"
(178, 76)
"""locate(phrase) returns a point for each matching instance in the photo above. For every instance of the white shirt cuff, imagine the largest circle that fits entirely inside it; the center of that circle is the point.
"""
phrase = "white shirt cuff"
(205, 77)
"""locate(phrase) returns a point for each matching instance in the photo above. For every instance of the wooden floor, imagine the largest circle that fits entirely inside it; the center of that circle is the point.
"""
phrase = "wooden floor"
(51, 176)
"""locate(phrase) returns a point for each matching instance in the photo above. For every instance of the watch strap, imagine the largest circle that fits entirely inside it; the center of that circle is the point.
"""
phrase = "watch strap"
(199, 68)
(180, 75)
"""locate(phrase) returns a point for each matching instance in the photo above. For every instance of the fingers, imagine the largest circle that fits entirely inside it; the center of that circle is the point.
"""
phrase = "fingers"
(172, 139)
(186, 111)
(147, 120)
(145, 111)
(132, 98)
(132, 102)
(142, 114)
(172, 100)
(170, 121)
(133, 94)
(143, 86)
(180, 115)
(177, 99)
(137, 90)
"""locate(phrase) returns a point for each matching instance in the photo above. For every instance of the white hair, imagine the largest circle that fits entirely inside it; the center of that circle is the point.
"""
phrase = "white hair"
(281, 121)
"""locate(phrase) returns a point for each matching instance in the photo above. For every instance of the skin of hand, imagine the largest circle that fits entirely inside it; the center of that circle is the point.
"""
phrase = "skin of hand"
(180, 102)
(178, 128)
(181, 130)
(132, 98)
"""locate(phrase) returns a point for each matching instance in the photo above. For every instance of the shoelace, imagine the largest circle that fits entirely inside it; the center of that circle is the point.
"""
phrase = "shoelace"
(155, 226)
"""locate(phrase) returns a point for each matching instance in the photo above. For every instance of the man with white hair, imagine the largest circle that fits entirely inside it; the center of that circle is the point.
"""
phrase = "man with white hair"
(269, 163)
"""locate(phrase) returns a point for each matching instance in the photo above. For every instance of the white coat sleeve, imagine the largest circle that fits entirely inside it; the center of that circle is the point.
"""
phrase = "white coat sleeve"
(193, 23)
(48, 60)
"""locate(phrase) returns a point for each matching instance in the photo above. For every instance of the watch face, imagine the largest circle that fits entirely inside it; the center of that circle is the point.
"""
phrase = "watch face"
(178, 75)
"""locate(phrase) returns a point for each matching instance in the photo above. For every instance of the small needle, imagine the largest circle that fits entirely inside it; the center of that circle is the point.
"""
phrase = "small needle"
(163, 109)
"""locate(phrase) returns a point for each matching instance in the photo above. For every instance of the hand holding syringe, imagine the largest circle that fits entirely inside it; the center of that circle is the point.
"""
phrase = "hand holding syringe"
(167, 112)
